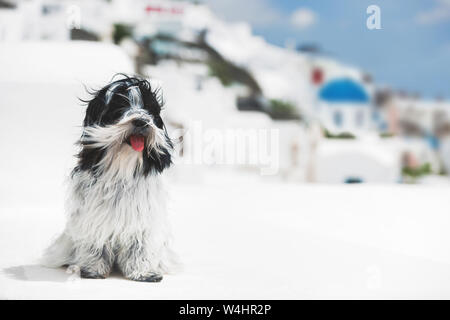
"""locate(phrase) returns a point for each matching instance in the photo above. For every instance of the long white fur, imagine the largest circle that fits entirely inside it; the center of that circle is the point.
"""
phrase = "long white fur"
(117, 215)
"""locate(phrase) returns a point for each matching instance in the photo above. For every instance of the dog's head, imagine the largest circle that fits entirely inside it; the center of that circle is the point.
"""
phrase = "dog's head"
(123, 130)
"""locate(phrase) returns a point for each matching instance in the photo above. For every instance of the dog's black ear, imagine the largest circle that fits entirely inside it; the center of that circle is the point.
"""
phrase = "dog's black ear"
(94, 111)
(89, 158)
(157, 162)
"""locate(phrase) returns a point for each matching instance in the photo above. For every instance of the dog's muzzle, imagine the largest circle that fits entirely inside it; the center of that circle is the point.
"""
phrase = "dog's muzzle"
(140, 131)
(140, 127)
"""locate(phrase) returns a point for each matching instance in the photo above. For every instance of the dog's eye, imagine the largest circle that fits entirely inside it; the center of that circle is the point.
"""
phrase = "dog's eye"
(112, 115)
(117, 113)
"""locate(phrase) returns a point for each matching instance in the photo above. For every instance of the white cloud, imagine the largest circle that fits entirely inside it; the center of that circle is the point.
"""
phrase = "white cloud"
(303, 18)
(255, 12)
(441, 12)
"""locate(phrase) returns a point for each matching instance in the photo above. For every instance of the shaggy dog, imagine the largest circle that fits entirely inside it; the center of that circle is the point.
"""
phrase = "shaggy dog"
(116, 203)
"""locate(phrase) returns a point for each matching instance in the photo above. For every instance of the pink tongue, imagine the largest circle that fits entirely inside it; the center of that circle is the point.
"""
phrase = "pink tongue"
(137, 142)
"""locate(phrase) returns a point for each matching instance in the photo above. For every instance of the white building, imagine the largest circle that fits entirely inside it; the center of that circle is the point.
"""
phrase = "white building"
(368, 160)
(344, 106)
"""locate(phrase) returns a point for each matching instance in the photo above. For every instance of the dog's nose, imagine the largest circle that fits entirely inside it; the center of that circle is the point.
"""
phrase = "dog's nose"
(139, 123)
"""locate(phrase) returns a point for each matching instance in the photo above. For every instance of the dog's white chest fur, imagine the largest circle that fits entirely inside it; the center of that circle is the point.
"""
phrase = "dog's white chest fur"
(113, 209)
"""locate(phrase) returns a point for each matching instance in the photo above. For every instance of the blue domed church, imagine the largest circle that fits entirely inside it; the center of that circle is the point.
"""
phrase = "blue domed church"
(344, 106)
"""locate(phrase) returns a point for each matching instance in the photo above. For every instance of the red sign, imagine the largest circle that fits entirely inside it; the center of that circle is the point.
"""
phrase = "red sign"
(159, 9)
(317, 76)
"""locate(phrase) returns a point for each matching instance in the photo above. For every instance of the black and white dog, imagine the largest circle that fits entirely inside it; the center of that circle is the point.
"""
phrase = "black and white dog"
(116, 202)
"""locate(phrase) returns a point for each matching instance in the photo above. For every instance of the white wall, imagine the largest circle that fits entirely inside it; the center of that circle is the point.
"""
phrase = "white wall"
(445, 153)
(356, 118)
(371, 161)
(11, 28)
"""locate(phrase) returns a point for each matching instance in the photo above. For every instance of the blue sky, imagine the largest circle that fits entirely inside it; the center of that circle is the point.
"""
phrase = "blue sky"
(411, 52)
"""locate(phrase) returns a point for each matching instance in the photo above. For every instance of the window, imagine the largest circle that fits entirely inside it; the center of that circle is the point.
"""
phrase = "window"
(337, 118)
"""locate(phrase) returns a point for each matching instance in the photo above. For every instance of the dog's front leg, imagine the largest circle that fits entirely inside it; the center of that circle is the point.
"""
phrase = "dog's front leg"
(94, 263)
(137, 263)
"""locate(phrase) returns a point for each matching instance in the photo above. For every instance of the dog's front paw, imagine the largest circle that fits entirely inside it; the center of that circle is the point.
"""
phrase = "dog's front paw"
(98, 269)
(152, 277)
(91, 274)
